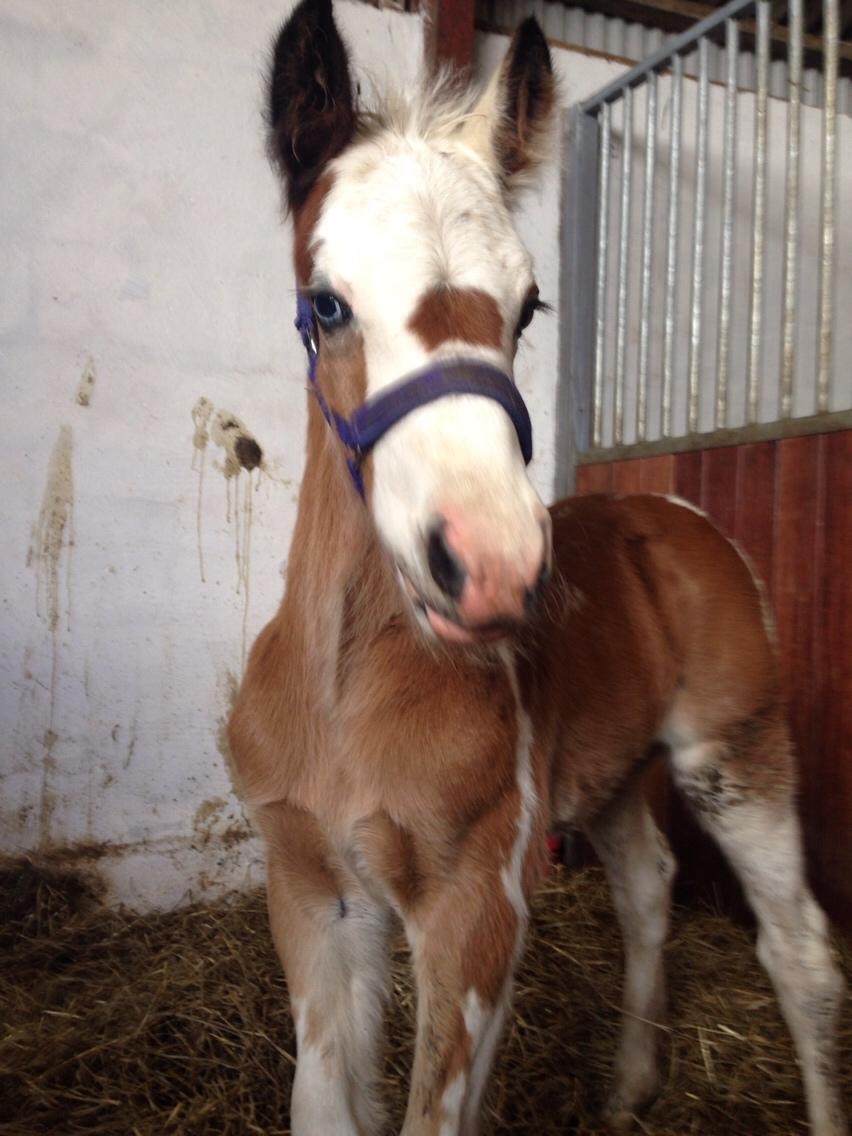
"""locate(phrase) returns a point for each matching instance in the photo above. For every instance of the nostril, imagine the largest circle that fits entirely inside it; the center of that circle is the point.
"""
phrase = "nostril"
(447, 570)
(534, 594)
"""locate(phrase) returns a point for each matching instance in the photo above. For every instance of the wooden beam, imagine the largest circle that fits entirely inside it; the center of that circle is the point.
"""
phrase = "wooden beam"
(449, 30)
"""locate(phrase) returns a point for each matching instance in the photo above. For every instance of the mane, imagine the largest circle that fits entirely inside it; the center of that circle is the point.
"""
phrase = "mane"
(439, 106)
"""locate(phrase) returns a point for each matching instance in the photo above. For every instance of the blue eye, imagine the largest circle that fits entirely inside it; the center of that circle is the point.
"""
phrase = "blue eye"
(331, 311)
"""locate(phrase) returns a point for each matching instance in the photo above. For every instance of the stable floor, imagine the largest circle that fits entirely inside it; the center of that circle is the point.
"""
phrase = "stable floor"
(178, 1023)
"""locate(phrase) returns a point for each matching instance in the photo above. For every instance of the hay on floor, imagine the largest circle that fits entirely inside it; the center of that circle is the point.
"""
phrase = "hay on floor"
(178, 1023)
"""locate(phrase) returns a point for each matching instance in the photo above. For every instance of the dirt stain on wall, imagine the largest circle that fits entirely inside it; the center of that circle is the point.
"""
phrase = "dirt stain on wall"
(52, 542)
(241, 455)
(201, 413)
(53, 533)
(86, 386)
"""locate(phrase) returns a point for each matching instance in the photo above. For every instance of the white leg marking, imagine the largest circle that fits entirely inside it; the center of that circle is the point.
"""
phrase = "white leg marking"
(336, 1087)
(451, 1105)
(762, 840)
(512, 873)
(484, 1025)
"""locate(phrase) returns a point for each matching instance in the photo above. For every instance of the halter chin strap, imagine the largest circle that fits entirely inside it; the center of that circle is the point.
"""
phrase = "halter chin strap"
(377, 415)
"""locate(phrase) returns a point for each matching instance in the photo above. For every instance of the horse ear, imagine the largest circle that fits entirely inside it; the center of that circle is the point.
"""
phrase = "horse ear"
(513, 119)
(311, 110)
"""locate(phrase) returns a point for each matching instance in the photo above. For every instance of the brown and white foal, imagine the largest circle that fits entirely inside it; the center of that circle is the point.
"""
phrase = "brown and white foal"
(453, 668)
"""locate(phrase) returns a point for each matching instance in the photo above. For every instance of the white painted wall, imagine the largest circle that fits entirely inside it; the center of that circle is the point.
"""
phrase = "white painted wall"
(145, 268)
(141, 248)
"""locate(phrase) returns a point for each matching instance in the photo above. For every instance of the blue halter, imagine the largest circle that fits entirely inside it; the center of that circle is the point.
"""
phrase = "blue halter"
(376, 416)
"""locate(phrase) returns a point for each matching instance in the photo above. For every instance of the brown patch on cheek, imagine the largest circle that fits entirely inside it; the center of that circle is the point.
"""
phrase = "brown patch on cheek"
(304, 222)
(466, 314)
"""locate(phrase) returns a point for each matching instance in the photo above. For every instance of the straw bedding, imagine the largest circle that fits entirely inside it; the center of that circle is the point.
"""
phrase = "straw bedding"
(178, 1023)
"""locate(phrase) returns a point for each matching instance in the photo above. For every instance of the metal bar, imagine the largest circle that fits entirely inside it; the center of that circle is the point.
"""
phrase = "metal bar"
(755, 349)
(576, 298)
(738, 436)
(729, 154)
(694, 367)
(623, 267)
(670, 314)
(791, 208)
(602, 265)
(647, 252)
(829, 201)
(662, 58)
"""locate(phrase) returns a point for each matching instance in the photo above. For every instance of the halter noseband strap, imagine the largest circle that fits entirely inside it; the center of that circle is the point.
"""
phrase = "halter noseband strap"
(376, 416)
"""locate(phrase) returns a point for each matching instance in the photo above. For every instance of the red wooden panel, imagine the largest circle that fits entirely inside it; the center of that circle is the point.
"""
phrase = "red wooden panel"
(798, 485)
(594, 478)
(789, 504)
(719, 486)
(832, 756)
(754, 520)
(626, 476)
(687, 477)
(656, 474)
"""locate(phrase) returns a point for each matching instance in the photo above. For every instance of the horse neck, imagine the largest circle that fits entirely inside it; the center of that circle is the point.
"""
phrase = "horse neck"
(336, 568)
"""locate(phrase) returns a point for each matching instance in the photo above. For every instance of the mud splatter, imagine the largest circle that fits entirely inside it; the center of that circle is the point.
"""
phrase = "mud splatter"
(241, 453)
(54, 533)
(241, 449)
(207, 809)
(228, 688)
(201, 413)
(86, 386)
(53, 537)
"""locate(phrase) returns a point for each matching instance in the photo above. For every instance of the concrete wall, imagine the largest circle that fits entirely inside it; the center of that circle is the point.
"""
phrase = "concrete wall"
(145, 269)
(145, 323)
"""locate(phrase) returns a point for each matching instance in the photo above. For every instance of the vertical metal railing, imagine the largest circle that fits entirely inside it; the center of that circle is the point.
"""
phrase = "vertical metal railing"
(726, 253)
(712, 232)
(758, 237)
(791, 208)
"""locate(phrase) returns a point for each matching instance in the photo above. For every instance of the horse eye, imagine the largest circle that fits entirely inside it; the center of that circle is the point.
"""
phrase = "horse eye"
(331, 311)
(532, 304)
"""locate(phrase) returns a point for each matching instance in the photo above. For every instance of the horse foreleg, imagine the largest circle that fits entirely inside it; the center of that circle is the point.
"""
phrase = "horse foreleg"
(331, 937)
(464, 948)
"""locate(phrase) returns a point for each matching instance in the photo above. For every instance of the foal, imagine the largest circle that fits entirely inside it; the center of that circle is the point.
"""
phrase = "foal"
(453, 667)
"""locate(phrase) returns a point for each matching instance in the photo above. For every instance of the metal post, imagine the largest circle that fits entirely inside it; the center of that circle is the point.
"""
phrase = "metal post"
(577, 256)
(647, 248)
(694, 368)
(729, 161)
(670, 314)
(755, 354)
(623, 268)
(601, 275)
(829, 200)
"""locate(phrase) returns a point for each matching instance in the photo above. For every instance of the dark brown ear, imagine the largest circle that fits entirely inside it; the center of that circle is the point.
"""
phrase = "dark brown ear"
(525, 98)
(311, 113)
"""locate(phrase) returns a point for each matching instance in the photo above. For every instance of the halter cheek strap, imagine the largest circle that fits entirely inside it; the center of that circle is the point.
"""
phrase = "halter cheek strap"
(360, 432)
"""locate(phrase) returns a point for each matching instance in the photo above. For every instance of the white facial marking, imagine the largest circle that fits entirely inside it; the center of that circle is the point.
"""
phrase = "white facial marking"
(406, 215)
